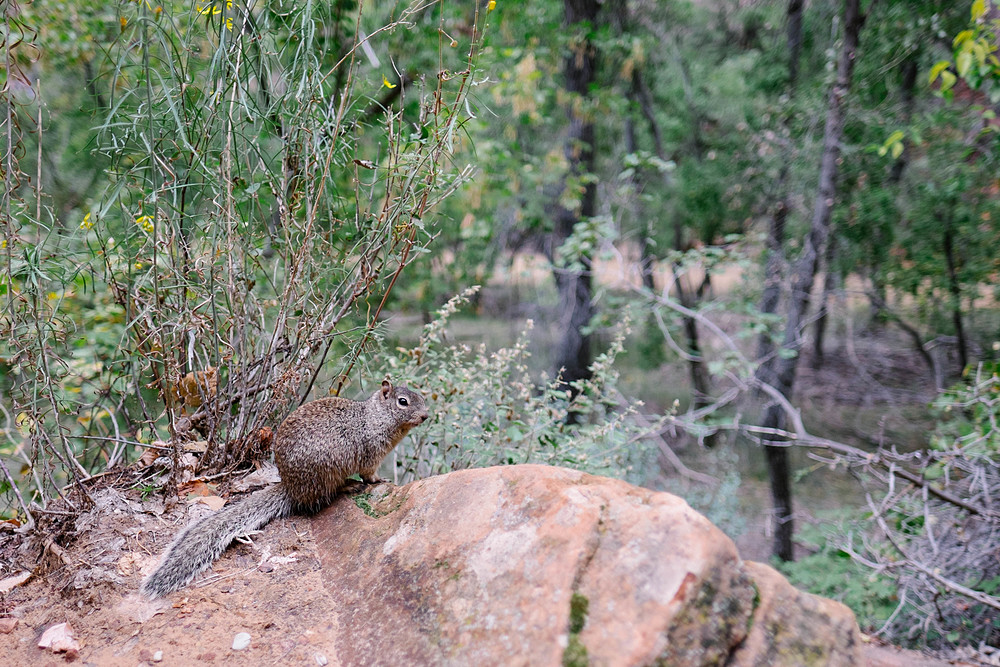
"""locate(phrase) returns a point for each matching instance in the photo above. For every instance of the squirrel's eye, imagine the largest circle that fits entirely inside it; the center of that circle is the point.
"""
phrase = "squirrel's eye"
(402, 401)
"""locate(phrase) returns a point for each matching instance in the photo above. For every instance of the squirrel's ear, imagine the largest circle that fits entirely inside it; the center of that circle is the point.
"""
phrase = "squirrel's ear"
(386, 388)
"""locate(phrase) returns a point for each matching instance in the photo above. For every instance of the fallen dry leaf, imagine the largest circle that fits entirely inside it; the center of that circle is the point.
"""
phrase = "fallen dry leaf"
(148, 457)
(196, 488)
(59, 639)
(13, 581)
(129, 564)
(214, 502)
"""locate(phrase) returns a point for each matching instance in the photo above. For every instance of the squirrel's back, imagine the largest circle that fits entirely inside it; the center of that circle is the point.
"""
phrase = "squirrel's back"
(316, 449)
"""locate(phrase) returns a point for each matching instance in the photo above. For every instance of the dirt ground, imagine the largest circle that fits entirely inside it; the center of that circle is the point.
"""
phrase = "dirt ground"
(271, 588)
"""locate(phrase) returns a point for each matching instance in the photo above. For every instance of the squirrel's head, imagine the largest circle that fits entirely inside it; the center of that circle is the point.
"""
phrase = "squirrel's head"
(406, 404)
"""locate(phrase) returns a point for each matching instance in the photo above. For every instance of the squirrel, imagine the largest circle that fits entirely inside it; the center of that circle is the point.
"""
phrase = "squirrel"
(316, 449)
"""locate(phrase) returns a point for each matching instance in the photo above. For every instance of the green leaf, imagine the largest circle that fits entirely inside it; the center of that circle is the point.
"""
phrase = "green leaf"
(961, 38)
(937, 69)
(963, 62)
(947, 81)
(978, 9)
(897, 149)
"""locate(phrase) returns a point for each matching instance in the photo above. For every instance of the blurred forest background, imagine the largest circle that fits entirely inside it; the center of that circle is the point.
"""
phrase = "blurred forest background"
(743, 251)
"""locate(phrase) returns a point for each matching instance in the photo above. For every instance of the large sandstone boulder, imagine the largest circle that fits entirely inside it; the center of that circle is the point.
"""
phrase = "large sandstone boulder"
(533, 565)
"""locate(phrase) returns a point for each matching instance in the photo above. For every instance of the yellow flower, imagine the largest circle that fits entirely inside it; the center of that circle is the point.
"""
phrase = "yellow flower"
(138, 266)
(213, 9)
(229, 23)
(86, 224)
(3, 244)
(146, 222)
(385, 82)
(491, 6)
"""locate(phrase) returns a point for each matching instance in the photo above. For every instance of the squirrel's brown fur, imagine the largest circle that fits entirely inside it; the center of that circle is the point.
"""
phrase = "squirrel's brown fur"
(316, 449)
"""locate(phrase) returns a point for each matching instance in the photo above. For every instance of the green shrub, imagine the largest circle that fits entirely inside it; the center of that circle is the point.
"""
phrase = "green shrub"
(488, 408)
(830, 571)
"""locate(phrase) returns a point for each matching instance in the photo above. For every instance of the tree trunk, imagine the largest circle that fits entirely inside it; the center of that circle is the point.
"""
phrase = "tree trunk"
(829, 285)
(647, 262)
(803, 274)
(774, 268)
(573, 354)
(956, 294)
(770, 298)
(877, 298)
(794, 39)
(907, 97)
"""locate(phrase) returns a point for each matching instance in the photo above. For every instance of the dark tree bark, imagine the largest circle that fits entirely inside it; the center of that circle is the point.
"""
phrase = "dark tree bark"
(573, 354)
(774, 267)
(803, 273)
(829, 285)
(770, 298)
(646, 260)
(877, 298)
(907, 97)
(794, 38)
(956, 294)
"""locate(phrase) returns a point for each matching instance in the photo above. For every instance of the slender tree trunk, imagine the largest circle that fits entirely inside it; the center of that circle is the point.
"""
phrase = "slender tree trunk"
(907, 97)
(829, 285)
(877, 298)
(770, 298)
(646, 260)
(573, 354)
(956, 294)
(619, 19)
(696, 365)
(774, 268)
(803, 274)
(794, 39)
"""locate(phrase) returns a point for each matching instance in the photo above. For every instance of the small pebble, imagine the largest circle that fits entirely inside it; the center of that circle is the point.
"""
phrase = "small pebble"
(321, 660)
(241, 641)
(158, 656)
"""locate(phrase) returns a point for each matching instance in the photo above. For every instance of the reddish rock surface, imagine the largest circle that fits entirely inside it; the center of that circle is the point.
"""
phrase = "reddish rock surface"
(521, 565)
(532, 565)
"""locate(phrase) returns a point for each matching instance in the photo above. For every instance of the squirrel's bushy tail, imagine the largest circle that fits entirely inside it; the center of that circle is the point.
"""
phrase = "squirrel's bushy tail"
(198, 545)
